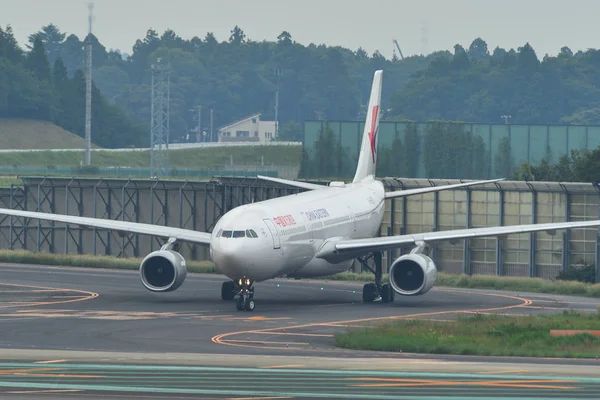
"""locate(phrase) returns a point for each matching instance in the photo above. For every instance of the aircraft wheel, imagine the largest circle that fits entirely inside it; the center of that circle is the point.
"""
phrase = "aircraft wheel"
(227, 291)
(387, 293)
(369, 292)
(249, 304)
(240, 304)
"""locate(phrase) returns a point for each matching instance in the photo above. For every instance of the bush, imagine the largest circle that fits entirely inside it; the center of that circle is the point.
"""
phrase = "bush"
(581, 272)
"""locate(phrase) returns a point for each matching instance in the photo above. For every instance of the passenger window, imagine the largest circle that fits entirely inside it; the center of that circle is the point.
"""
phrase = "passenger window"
(239, 234)
(226, 234)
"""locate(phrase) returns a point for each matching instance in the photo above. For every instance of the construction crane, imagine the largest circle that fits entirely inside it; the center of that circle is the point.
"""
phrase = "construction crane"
(398, 47)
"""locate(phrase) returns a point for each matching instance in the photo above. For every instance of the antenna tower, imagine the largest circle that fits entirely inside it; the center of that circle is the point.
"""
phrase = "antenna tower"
(88, 89)
(159, 124)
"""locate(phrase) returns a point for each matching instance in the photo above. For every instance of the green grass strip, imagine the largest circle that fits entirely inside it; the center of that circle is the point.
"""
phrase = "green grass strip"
(519, 284)
(486, 335)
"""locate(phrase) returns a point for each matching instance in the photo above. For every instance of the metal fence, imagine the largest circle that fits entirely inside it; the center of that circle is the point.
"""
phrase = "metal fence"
(199, 204)
(504, 203)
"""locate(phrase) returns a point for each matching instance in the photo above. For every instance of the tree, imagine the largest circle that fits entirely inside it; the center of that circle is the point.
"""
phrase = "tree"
(37, 62)
(52, 38)
(284, 39)
(9, 48)
(460, 60)
(72, 54)
(237, 36)
(291, 131)
(528, 62)
(60, 79)
(478, 50)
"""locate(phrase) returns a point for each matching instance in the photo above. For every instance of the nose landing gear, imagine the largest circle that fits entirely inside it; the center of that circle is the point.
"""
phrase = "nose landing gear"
(242, 288)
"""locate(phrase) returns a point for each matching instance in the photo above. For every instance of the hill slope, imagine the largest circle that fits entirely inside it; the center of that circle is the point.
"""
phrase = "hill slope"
(33, 134)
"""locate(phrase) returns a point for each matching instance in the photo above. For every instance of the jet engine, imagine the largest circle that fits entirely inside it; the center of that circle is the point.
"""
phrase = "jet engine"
(163, 271)
(412, 274)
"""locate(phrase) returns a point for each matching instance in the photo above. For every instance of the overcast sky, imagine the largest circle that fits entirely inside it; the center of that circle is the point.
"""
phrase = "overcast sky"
(418, 25)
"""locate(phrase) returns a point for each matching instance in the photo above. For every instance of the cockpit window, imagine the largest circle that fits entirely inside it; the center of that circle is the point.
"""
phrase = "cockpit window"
(251, 233)
(219, 233)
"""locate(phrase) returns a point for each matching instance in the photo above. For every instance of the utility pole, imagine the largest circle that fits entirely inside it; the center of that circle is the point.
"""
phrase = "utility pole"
(211, 126)
(199, 123)
(88, 90)
(278, 73)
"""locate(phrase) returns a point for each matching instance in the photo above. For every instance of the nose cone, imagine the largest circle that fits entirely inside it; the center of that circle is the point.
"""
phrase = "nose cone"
(228, 255)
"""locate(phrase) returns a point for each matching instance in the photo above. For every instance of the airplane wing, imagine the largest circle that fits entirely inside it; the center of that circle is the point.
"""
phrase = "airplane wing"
(186, 235)
(391, 242)
(410, 192)
(301, 185)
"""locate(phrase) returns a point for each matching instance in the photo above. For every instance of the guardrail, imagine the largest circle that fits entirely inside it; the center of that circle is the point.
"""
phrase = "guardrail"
(172, 146)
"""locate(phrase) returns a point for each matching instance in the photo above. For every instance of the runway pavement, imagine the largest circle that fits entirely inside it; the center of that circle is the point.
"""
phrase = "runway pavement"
(56, 316)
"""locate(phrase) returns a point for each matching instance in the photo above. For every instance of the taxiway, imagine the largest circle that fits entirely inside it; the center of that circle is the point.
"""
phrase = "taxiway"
(92, 332)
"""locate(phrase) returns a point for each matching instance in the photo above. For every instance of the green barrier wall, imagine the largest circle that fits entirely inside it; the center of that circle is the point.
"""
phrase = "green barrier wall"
(440, 149)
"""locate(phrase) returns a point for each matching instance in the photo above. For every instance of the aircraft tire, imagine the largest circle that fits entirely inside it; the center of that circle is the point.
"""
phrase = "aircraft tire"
(249, 304)
(240, 304)
(227, 291)
(387, 293)
(369, 292)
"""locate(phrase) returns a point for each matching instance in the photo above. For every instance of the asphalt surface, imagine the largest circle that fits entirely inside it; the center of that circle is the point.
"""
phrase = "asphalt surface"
(87, 333)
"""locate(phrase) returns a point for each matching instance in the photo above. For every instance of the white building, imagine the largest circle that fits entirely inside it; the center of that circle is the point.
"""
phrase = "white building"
(250, 129)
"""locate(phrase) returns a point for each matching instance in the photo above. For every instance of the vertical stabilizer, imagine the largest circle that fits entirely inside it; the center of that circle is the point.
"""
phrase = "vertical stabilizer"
(367, 159)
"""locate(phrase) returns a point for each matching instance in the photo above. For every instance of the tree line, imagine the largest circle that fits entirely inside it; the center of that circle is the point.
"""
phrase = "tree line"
(240, 76)
(476, 85)
(578, 166)
(33, 87)
(235, 78)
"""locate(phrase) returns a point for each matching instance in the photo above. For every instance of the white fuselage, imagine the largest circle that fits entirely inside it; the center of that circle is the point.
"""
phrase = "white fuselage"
(290, 231)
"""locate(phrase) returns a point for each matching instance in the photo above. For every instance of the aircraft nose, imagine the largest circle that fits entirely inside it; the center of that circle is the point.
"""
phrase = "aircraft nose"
(229, 257)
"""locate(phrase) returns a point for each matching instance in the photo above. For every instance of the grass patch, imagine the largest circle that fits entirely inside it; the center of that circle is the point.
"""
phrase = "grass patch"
(34, 134)
(482, 335)
(197, 158)
(6, 181)
(88, 261)
(519, 284)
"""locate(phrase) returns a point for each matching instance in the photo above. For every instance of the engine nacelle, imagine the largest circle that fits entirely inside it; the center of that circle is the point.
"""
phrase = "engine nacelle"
(163, 271)
(412, 274)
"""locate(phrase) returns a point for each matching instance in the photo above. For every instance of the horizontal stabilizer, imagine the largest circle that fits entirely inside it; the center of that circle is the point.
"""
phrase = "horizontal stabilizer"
(410, 192)
(301, 185)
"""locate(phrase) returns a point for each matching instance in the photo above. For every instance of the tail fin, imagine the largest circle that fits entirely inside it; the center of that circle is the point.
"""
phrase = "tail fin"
(367, 159)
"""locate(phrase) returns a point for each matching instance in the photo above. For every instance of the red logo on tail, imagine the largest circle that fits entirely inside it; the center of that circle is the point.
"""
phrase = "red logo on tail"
(373, 132)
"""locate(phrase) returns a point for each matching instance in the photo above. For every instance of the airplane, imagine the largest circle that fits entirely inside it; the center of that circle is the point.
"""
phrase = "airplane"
(318, 232)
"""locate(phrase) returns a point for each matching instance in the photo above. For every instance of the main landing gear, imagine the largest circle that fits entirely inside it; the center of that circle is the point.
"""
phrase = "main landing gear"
(376, 291)
(244, 289)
